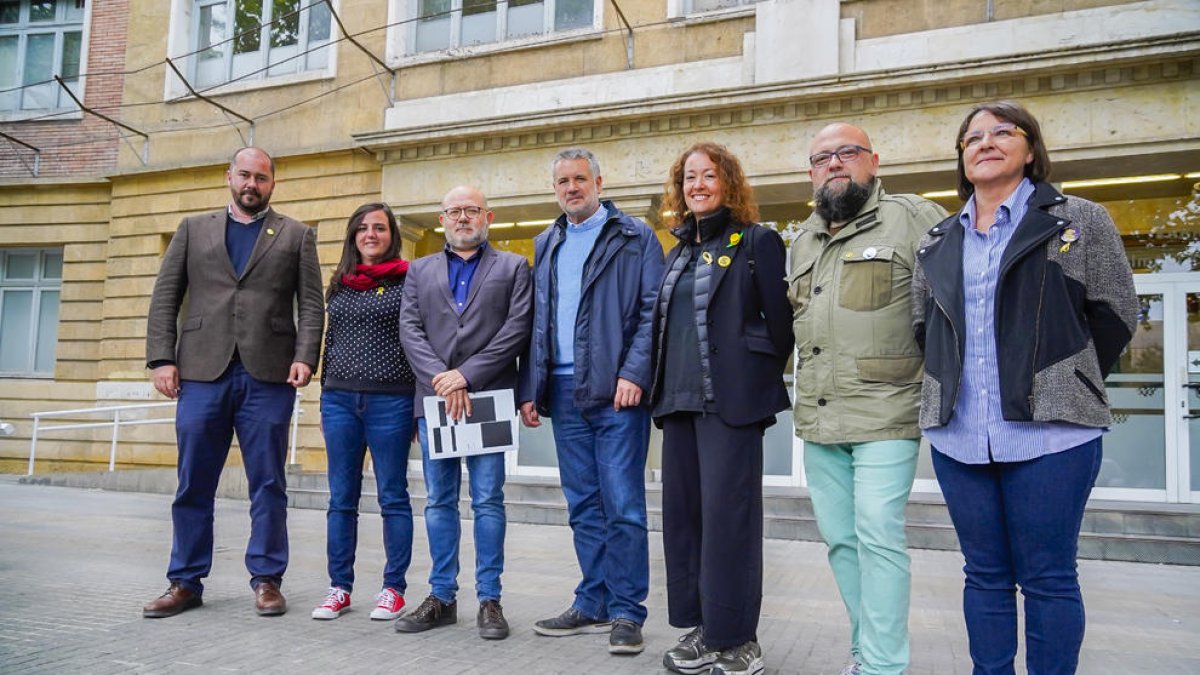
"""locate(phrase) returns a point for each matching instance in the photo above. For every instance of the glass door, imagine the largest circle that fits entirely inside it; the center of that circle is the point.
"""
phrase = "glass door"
(1153, 450)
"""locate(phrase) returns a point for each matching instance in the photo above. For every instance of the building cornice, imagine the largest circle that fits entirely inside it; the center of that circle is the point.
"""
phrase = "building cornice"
(1129, 63)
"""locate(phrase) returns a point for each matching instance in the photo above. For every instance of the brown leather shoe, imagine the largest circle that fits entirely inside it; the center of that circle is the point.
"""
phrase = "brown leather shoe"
(268, 601)
(176, 599)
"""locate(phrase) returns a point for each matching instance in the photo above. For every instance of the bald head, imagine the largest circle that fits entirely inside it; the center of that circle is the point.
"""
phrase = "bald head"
(842, 166)
(251, 179)
(465, 218)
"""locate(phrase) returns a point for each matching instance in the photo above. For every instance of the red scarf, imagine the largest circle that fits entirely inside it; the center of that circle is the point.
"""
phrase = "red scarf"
(366, 277)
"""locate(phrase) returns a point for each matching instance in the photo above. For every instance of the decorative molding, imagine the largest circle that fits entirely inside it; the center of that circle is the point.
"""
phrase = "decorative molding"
(862, 94)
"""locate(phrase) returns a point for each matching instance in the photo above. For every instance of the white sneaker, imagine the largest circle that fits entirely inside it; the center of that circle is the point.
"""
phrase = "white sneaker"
(387, 605)
(336, 602)
(853, 667)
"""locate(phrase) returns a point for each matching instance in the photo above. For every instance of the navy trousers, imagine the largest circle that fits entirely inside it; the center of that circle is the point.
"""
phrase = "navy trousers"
(206, 418)
(1018, 525)
(713, 526)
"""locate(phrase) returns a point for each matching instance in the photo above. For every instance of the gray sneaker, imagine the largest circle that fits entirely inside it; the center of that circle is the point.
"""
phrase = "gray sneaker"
(853, 667)
(690, 656)
(744, 659)
(571, 622)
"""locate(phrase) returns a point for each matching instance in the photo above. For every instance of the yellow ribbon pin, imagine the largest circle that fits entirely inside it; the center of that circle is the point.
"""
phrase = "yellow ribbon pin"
(270, 232)
(379, 291)
(724, 261)
(706, 257)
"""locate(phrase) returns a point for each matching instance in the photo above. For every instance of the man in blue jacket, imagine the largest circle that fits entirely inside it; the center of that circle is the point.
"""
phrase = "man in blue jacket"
(596, 273)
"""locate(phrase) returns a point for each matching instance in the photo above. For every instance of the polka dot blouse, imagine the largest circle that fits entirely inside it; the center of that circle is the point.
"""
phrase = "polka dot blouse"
(362, 343)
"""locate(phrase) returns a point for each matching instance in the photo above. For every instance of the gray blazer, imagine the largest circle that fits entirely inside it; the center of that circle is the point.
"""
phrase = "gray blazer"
(484, 341)
(273, 314)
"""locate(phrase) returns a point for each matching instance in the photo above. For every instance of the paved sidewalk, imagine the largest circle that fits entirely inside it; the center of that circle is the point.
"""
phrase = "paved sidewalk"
(76, 567)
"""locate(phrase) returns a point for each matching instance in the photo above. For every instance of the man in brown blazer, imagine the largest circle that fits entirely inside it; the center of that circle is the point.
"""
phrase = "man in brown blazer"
(465, 319)
(221, 338)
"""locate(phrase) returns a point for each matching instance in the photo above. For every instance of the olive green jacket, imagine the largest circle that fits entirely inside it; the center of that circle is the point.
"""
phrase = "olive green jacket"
(858, 367)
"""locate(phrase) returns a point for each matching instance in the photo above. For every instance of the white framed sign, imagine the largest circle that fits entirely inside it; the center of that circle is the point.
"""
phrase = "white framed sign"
(492, 426)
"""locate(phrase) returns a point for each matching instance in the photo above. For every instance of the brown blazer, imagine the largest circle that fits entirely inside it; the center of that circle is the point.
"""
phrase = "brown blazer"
(484, 341)
(252, 313)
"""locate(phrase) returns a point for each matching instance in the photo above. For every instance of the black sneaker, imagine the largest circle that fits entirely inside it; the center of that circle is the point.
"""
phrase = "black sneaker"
(626, 638)
(431, 614)
(744, 659)
(491, 622)
(571, 622)
(690, 656)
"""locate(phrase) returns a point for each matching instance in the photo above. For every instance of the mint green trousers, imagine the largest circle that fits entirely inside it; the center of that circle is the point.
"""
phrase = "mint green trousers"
(858, 494)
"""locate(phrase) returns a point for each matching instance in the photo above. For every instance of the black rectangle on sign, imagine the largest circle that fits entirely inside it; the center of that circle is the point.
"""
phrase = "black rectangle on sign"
(483, 409)
(496, 434)
(441, 412)
(437, 441)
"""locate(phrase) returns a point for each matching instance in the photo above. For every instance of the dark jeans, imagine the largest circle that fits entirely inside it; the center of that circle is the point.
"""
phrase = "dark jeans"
(1018, 525)
(713, 526)
(352, 422)
(602, 467)
(205, 420)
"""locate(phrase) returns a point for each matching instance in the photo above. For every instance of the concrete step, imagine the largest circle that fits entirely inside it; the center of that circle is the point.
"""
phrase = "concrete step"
(1131, 531)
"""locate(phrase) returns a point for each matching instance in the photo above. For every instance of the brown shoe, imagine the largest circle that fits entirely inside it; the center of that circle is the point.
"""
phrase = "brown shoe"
(176, 599)
(491, 622)
(268, 601)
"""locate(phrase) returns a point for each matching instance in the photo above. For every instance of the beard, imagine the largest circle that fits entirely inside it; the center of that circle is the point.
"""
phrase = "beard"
(839, 206)
(251, 200)
(463, 242)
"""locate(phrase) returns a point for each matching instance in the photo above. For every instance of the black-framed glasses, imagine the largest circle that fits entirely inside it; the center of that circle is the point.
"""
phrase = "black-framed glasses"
(455, 212)
(1001, 132)
(846, 154)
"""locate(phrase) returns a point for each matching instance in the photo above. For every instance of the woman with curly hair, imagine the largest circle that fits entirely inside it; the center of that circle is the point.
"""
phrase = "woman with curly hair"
(723, 333)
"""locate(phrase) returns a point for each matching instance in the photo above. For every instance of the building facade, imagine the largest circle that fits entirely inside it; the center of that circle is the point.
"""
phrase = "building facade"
(401, 100)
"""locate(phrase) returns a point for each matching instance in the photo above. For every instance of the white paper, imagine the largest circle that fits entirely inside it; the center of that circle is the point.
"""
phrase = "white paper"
(492, 426)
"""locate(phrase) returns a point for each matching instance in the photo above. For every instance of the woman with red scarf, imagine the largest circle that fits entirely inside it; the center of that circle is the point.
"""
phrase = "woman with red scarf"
(367, 393)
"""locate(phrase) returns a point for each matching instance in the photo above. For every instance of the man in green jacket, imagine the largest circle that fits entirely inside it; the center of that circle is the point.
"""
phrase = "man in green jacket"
(858, 384)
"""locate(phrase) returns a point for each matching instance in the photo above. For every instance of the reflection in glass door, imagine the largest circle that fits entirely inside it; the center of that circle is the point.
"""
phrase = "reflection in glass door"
(1134, 465)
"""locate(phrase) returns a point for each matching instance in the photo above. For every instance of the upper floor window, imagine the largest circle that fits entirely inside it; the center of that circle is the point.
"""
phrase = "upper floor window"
(446, 24)
(249, 40)
(697, 6)
(38, 40)
(30, 283)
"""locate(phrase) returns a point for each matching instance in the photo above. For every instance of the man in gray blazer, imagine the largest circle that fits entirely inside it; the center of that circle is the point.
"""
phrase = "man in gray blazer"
(233, 280)
(465, 319)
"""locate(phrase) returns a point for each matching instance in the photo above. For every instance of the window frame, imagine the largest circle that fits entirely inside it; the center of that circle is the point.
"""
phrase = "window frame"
(681, 10)
(38, 285)
(59, 27)
(402, 33)
(184, 39)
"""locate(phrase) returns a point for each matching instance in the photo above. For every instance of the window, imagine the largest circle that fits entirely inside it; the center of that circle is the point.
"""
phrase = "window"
(38, 40)
(445, 24)
(698, 6)
(30, 282)
(249, 40)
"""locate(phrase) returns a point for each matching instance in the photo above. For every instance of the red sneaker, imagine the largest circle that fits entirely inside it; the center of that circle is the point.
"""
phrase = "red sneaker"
(388, 605)
(336, 602)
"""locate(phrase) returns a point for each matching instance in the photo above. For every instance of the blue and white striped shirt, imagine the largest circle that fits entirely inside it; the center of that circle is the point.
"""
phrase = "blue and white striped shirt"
(977, 432)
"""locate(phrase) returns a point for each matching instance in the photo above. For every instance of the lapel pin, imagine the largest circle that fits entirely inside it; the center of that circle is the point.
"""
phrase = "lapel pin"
(1069, 236)
(271, 232)
(724, 261)
(706, 257)
(734, 239)
(870, 253)
(379, 291)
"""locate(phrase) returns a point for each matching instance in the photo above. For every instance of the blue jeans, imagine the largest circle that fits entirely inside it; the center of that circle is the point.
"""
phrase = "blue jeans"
(352, 422)
(859, 491)
(443, 481)
(1018, 524)
(602, 467)
(205, 420)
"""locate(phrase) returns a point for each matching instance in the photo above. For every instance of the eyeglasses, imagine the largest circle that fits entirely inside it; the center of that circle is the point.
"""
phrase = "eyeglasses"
(456, 212)
(1001, 132)
(846, 153)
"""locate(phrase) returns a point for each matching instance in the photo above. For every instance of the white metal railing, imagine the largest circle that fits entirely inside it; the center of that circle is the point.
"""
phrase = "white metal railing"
(117, 422)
